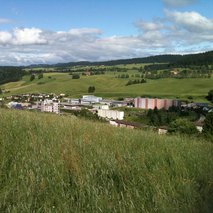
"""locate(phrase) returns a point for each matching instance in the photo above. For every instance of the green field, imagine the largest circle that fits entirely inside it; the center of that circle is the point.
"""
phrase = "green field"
(50, 163)
(109, 86)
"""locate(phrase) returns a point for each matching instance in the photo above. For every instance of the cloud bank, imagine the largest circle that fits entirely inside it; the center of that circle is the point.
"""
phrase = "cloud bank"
(178, 32)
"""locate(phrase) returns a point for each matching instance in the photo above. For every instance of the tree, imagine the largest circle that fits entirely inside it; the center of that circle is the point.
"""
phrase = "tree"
(91, 89)
(40, 76)
(210, 95)
(75, 76)
(0, 91)
(32, 77)
(182, 126)
(143, 80)
(11, 74)
(208, 126)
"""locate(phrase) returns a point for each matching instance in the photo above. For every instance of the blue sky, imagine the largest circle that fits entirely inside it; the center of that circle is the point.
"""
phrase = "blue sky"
(51, 31)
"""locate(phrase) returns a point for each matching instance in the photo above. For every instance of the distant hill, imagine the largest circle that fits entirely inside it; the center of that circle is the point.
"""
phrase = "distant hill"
(189, 59)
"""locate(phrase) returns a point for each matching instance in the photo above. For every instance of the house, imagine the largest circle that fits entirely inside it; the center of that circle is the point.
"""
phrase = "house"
(72, 100)
(162, 130)
(87, 73)
(200, 123)
(174, 72)
(62, 95)
(72, 107)
(15, 105)
(101, 106)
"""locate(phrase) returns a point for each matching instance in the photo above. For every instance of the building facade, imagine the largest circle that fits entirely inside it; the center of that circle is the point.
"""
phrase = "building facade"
(91, 99)
(111, 114)
(152, 103)
(50, 106)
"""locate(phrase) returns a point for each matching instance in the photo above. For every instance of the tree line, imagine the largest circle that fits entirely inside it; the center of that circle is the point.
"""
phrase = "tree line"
(10, 74)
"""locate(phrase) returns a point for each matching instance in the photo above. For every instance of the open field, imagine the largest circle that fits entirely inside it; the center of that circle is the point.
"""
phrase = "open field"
(109, 86)
(62, 164)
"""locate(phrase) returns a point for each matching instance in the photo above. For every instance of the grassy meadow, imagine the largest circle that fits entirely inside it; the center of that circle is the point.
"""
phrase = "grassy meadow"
(50, 163)
(109, 86)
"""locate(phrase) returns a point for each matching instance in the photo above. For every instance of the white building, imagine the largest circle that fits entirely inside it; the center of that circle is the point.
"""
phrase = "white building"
(91, 99)
(97, 107)
(111, 114)
(72, 100)
(50, 106)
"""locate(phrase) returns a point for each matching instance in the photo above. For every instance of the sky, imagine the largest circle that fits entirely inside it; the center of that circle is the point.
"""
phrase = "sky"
(57, 31)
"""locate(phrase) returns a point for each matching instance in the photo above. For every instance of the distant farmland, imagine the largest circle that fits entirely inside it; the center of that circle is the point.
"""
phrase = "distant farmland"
(109, 86)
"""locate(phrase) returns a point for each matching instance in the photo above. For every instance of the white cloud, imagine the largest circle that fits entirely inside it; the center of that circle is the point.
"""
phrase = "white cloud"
(178, 3)
(178, 32)
(5, 37)
(191, 21)
(85, 31)
(149, 26)
(28, 36)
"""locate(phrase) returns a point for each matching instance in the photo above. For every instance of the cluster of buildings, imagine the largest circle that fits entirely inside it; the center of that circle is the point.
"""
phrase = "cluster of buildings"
(105, 108)
(99, 106)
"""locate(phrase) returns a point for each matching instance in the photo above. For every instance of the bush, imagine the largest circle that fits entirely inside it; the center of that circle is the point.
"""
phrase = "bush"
(210, 95)
(32, 77)
(39, 83)
(40, 76)
(183, 126)
(208, 127)
(91, 89)
(75, 76)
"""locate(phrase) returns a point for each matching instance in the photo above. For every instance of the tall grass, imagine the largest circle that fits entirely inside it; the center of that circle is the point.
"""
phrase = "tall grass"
(60, 164)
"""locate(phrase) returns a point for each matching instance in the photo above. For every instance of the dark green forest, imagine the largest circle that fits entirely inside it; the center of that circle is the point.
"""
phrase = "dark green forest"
(205, 58)
(10, 74)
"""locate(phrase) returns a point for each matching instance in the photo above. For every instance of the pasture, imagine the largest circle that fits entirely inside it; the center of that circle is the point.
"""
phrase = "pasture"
(111, 87)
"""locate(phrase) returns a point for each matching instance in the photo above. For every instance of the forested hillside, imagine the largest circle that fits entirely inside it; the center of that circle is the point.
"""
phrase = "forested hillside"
(173, 60)
(9, 74)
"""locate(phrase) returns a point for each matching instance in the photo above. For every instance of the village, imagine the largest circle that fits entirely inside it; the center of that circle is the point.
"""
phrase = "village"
(108, 110)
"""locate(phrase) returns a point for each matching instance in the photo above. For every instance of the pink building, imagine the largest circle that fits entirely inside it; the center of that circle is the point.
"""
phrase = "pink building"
(151, 103)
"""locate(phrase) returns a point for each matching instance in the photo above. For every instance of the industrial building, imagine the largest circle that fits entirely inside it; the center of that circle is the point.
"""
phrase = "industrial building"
(152, 103)
(91, 99)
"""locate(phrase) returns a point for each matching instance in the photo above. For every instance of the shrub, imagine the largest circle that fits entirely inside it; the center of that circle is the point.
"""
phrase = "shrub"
(183, 126)
(32, 77)
(208, 126)
(75, 76)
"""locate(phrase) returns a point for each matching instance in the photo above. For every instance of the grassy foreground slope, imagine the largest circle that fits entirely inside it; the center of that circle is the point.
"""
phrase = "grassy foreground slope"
(61, 164)
(109, 86)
